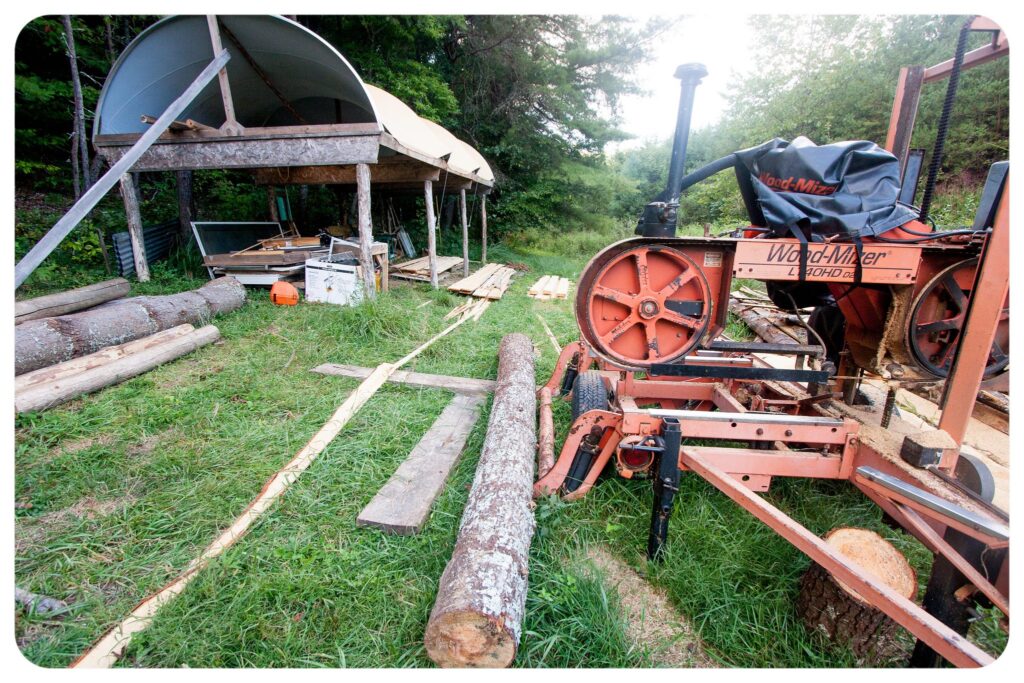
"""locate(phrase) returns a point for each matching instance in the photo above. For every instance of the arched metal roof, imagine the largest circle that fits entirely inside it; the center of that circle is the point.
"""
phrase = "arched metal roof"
(314, 78)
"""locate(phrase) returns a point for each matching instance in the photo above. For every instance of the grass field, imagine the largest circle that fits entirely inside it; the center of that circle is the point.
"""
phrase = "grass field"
(119, 490)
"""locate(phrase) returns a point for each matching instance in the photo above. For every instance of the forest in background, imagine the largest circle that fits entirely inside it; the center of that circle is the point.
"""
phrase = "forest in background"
(538, 97)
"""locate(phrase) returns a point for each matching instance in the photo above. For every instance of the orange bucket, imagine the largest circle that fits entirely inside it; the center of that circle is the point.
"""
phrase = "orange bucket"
(284, 294)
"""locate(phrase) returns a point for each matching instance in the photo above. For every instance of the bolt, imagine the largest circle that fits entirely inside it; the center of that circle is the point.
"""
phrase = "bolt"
(789, 432)
(759, 431)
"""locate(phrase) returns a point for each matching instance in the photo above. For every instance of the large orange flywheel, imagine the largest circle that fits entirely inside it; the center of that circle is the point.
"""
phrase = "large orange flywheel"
(637, 305)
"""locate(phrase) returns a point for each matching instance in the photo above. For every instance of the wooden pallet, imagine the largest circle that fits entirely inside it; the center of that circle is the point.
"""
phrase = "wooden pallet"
(490, 282)
(419, 269)
(549, 287)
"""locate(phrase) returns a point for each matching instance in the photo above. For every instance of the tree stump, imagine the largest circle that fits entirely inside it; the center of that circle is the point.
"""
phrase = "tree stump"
(829, 607)
(477, 617)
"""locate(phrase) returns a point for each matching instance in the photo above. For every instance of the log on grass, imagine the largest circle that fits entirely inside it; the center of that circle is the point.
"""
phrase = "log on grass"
(95, 360)
(477, 617)
(834, 610)
(40, 343)
(49, 394)
(70, 301)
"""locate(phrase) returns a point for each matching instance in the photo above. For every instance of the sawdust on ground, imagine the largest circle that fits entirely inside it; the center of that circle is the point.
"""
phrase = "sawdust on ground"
(32, 531)
(652, 621)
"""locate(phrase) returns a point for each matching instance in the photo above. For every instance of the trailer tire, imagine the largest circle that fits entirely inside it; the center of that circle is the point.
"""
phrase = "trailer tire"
(589, 393)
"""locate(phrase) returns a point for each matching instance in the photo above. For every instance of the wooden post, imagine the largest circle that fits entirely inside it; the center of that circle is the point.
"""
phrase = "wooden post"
(272, 203)
(428, 192)
(483, 229)
(185, 213)
(465, 233)
(130, 195)
(365, 230)
(231, 125)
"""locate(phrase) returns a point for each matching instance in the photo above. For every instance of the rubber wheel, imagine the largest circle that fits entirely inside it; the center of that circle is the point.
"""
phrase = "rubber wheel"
(588, 393)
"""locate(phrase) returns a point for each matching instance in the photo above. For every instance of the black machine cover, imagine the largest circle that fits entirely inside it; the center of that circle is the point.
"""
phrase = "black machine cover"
(848, 188)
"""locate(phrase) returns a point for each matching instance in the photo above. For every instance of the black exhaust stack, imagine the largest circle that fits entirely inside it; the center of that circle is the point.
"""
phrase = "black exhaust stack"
(659, 219)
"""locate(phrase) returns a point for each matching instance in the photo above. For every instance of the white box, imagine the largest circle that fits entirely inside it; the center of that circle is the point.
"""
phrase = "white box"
(333, 283)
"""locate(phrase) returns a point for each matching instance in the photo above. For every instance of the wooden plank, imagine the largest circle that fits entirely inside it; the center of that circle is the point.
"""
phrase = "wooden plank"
(538, 286)
(562, 291)
(495, 285)
(403, 504)
(128, 157)
(470, 284)
(460, 385)
(231, 125)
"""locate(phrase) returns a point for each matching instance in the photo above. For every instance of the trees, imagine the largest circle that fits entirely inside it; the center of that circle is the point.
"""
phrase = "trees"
(832, 78)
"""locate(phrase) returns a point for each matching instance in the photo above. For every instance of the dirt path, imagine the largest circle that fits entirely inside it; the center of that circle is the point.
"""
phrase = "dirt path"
(653, 622)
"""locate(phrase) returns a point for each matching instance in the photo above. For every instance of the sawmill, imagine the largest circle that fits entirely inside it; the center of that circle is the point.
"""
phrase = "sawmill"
(348, 400)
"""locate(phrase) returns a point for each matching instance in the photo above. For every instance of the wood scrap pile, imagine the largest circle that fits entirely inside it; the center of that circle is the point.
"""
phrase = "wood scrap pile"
(419, 269)
(549, 287)
(490, 282)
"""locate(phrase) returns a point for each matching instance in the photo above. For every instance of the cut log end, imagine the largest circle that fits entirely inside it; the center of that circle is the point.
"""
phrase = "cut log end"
(468, 639)
(878, 556)
(838, 613)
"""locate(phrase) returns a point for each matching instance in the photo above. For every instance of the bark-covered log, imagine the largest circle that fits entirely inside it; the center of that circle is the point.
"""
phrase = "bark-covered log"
(39, 343)
(53, 373)
(49, 394)
(830, 608)
(477, 617)
(70, 301)
(760, 323)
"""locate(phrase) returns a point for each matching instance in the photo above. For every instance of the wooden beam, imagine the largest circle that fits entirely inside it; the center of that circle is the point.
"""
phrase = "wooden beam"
(346, 175)
(460, 385)
(465, 233)
(203, 133)
(128, 157)
(261, 73)
(130, 195)
(231, 125)
(986, 53)
(247, 152)
(904, 113)
(403, 504)
(428, 195)
(483, 228)
(365, 231)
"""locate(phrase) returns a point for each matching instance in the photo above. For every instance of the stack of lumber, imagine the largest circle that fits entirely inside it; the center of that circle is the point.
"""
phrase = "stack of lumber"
(62, 382)
(549, 287)
(69, 301)
(419, 269)
(490, 282)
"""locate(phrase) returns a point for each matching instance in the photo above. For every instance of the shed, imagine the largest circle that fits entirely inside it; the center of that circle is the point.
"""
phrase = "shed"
(287, 106)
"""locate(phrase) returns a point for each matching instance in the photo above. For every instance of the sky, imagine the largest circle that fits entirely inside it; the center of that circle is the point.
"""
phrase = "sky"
(722, 44)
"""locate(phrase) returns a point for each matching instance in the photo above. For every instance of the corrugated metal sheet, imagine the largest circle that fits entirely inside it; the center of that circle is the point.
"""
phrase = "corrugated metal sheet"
(157, 239)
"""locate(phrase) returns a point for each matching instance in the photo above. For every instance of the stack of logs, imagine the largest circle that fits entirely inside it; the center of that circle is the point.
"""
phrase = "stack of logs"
(58, 358)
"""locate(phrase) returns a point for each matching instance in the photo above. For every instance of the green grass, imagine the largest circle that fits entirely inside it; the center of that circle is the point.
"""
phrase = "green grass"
(164, 461)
